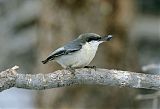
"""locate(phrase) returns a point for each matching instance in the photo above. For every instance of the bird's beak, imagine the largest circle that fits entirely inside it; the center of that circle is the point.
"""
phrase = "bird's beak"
(106, 38)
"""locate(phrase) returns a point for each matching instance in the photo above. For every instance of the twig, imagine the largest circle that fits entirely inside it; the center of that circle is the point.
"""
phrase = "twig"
(10, 78)
(7, 78)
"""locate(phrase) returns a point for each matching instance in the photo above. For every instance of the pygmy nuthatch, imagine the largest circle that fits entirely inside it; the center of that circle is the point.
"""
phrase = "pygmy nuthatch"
(79, 52)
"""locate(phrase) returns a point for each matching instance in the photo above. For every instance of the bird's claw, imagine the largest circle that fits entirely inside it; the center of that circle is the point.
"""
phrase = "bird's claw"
(72, 70)
(92, 67)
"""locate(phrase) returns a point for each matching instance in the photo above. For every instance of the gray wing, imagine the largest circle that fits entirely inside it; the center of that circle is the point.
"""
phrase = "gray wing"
(67, 49)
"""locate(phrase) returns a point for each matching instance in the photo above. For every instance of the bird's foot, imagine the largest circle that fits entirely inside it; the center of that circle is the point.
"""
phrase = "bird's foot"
(72, 70)
(92, 67)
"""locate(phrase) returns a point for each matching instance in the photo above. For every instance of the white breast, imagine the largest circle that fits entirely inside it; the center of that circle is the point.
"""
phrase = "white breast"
(80, 58)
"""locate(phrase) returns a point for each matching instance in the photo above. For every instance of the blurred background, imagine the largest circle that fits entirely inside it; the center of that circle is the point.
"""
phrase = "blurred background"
(31, 29)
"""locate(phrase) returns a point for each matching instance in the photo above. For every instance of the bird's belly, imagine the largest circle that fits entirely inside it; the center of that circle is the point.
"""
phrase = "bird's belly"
(78, 59)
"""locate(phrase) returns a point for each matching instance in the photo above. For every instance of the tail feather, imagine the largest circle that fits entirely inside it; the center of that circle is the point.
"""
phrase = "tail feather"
(48, 59)
(45, 61)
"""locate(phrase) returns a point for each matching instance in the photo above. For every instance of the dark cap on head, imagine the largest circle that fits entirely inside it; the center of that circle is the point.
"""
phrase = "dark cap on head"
(87, 37)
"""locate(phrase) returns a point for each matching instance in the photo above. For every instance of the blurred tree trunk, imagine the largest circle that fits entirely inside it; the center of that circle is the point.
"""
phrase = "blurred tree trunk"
(120, 56)
(64, 20)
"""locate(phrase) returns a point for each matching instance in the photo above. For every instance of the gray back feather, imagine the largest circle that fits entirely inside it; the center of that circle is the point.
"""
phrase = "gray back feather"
(69, 48)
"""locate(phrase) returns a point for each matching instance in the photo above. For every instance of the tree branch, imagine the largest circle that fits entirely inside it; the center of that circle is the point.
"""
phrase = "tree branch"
(10, 78)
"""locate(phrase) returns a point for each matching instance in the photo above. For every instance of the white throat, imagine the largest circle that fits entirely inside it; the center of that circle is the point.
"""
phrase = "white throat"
(95, 43)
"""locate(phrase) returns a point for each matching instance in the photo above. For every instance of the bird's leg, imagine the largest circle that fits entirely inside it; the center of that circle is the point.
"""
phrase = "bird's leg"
(71, 69)
(92, 67)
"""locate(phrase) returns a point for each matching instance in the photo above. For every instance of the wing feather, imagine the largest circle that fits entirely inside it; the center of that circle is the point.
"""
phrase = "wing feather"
(67, 49)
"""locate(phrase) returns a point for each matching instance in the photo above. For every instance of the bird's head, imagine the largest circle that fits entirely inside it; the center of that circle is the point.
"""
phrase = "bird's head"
(94, 38)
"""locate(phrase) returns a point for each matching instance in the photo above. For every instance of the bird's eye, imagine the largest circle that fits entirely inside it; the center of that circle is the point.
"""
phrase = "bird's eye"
(89, 39)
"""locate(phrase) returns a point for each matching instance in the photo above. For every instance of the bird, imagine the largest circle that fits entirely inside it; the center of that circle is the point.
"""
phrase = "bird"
(79, 52)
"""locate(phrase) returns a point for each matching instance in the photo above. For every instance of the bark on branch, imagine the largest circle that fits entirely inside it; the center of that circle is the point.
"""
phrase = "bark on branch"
(10, 78)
